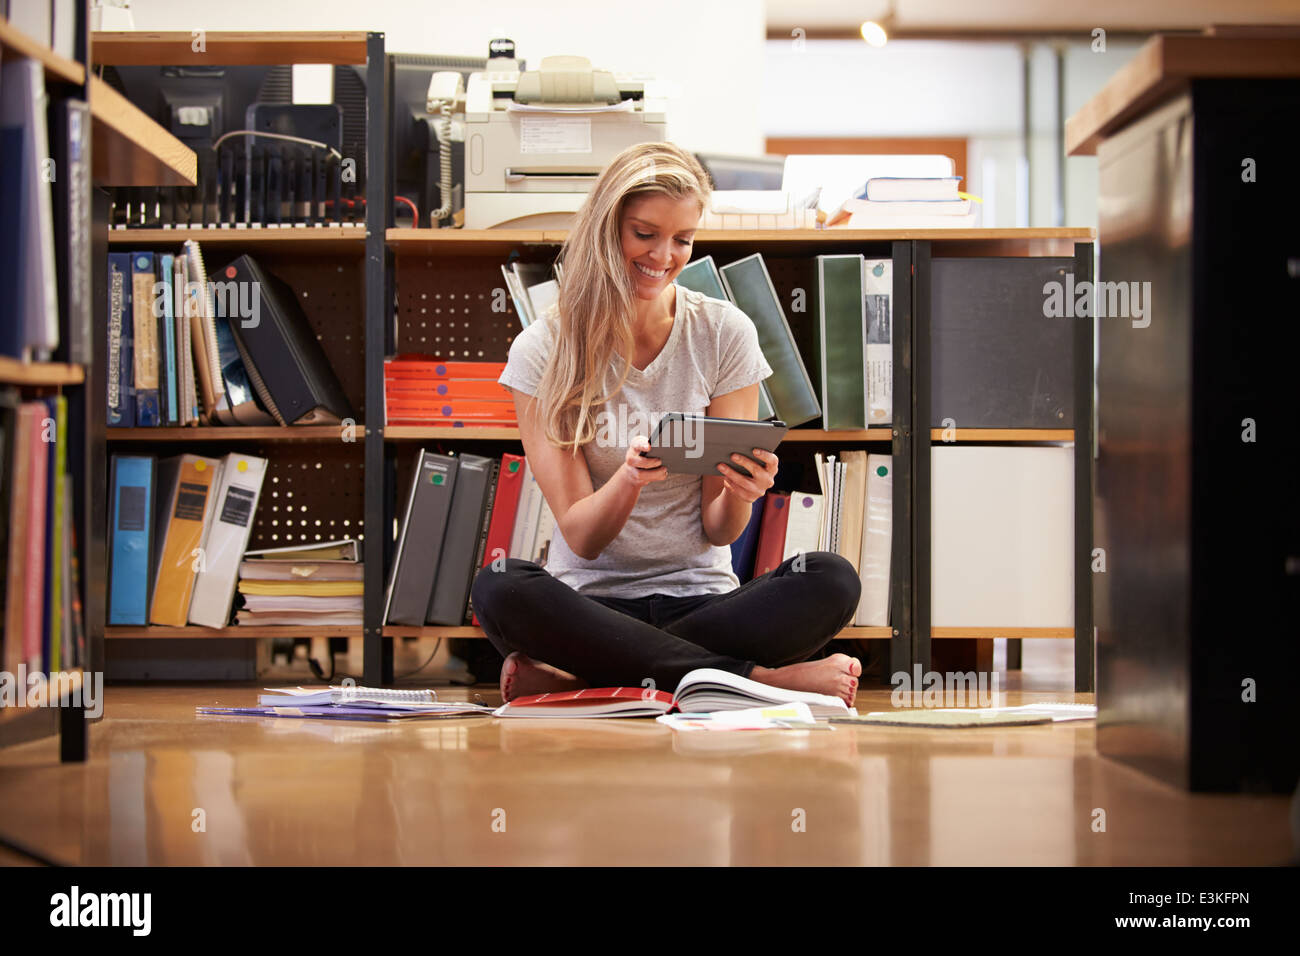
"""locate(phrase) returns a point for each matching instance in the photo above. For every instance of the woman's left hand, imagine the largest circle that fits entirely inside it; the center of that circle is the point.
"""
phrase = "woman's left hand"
(762, 470)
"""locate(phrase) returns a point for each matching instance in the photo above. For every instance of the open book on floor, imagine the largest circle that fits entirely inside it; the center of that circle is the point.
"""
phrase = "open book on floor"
(703, 690)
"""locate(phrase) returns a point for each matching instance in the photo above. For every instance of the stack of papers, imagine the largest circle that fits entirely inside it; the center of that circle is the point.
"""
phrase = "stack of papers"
(317, 584)
(796, 716)
(349, 703)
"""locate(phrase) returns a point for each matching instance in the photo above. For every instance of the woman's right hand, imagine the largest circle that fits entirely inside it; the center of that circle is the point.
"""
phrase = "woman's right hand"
(642, 471)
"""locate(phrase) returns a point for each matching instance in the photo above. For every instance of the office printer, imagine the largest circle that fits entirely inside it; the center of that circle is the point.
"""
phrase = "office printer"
(536, 141)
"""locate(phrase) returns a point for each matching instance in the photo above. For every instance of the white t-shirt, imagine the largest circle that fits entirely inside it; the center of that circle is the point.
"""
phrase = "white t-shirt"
(662, 549)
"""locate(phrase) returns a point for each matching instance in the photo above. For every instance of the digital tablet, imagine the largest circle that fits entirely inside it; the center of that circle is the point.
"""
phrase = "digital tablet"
(695, 444)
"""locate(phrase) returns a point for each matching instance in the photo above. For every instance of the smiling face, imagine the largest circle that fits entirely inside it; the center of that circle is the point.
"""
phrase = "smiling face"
(658, 233)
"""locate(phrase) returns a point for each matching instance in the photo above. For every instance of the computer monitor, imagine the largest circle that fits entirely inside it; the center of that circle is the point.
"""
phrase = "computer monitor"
(413, 143)
(743, 172)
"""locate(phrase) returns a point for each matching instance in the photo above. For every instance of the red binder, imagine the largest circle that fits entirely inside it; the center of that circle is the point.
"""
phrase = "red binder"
(771, 534)
(509, 481)
(39, 451)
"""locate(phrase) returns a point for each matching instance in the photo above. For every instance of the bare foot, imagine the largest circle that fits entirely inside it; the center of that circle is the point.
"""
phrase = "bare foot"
(836, 675)
(522, 676)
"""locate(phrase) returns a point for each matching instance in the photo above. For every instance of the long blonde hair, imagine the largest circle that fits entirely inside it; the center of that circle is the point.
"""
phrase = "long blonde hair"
(595, 311)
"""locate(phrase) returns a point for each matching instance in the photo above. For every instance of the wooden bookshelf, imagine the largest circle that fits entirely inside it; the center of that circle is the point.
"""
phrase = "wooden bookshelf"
(13, 42)
(130, 149)
(1015, 633)
(157, 631)
(14, 372)
(232, 433)
(285, 238)
(848, 633)
(1164, 67)
(501, 433)
(226, 47)
(1004, 434)
(1044, 241)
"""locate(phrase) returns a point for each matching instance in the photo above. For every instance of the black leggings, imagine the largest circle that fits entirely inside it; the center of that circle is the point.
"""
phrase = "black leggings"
(782, 617)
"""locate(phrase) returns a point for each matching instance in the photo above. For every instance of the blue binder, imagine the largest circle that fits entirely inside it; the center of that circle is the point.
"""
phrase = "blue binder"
(130, 538)
(744, 549)
(121, 334)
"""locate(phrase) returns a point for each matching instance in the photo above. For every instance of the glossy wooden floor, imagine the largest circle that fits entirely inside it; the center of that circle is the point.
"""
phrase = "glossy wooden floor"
(623, 791)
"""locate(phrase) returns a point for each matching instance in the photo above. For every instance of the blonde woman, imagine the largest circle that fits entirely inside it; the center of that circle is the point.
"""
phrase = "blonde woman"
(638, 582)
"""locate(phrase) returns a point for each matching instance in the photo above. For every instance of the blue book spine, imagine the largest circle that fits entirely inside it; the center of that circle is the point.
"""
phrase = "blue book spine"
(146, 392)
(130, 539)
(744, 549)
(121, 393)
(173, 409)
(13, 338)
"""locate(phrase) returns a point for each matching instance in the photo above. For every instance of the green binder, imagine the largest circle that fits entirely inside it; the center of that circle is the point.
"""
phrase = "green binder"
(702, 276)
(841, 341)
(792, 392)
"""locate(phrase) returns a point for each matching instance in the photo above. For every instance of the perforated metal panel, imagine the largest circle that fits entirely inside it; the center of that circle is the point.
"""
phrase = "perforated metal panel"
(312, 492)
(457, 307)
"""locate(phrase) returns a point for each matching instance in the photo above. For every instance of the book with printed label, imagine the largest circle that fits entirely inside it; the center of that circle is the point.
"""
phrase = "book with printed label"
(186, 485)
(231, 524)
(131, 538)
(145, 327)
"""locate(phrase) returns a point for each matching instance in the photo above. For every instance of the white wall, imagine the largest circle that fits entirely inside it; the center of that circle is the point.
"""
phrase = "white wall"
(712, 52)
(934, 88)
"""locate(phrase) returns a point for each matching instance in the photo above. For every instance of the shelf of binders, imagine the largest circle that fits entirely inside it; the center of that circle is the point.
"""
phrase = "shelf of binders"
(13, 42)
(505, 433)
(130, 149)
(14, 372)
(227, 47)
(848, 633)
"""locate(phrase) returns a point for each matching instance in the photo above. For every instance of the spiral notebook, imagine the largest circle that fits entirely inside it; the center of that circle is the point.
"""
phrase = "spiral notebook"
(318, 696)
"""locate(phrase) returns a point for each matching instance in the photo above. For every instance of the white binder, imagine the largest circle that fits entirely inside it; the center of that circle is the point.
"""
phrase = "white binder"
(225, 539)
(877, 541)
(803, 527)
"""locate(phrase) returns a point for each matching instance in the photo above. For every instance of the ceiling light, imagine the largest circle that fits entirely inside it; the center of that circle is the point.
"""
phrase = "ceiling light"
(874, 33)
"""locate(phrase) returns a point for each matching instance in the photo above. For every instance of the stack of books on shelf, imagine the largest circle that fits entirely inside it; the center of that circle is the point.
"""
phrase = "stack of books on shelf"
(851, 516)
(890, 202)
(302, 585)
(43, 627)
(420, 390)
(178, 528)
(461, 514)
(186, 347)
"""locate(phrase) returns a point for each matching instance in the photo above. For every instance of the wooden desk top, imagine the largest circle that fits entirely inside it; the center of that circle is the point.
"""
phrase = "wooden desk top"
(1162, 69)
